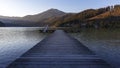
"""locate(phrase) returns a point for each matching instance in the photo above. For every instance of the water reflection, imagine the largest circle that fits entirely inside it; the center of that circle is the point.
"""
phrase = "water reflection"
(15, 41)
(104, 42)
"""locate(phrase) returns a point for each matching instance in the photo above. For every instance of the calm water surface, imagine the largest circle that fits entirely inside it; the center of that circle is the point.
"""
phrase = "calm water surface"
(15, 41)
(104, 42)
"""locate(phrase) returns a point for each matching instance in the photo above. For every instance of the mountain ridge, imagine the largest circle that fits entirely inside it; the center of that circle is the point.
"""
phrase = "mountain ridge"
(44, 15)
(106, 17)
(37, 19)
(57, 18)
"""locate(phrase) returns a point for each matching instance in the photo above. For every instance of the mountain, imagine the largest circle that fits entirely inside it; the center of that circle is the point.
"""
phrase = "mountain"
(32, 20)
(15, 21)
(102, 17)
(78, 17)
(45, 15)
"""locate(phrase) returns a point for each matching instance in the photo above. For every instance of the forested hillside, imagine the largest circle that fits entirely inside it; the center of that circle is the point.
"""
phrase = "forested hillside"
(103, 17)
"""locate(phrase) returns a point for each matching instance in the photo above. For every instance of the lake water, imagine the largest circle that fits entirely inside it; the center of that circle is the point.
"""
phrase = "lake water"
(15, 41)
(104, 42)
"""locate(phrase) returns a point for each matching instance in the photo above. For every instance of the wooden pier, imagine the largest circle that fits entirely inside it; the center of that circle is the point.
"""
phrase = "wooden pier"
(59, 50)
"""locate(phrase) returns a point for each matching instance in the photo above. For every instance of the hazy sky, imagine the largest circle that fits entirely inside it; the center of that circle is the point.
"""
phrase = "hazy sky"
(28, 7)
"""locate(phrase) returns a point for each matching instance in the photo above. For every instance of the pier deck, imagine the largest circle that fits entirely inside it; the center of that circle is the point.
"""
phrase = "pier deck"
(59, 50)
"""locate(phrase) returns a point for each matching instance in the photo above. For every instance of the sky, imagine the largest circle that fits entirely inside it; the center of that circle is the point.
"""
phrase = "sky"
(31, 7)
